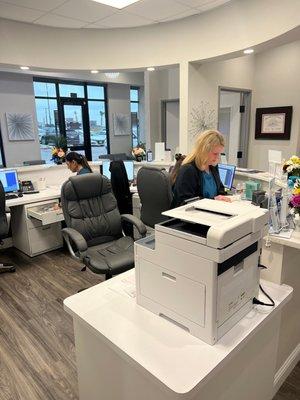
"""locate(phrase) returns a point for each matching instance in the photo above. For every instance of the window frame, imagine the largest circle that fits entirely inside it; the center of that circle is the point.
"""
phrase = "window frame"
(138, 103)
(85, 99)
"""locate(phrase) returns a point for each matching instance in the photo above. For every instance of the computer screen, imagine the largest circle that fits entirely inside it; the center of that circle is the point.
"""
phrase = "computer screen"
(9, 179)
(226, 173)
(129, 166)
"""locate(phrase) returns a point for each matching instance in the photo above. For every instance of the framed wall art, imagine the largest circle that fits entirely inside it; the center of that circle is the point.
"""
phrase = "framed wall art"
(20, 126)
(273, 123)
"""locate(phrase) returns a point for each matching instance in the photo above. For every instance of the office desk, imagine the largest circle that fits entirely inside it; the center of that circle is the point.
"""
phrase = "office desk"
(282, 260)
(50, 193)
(30, 235)
(125, 352)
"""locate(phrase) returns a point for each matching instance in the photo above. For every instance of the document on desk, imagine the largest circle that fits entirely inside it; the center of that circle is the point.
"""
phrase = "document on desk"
(283, 234)
(125, 286)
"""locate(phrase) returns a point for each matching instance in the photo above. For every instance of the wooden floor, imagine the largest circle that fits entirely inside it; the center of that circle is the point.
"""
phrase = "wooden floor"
(37, 358)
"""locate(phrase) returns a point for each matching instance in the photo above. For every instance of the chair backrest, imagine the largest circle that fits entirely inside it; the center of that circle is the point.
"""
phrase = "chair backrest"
(113, 157)
(90, 207)
(155, 194)
(120, 186)
(4, 227)
(34, 162)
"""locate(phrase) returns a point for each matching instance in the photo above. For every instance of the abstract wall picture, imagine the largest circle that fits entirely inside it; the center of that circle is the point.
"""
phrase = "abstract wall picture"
(20, 126)
(121, 124)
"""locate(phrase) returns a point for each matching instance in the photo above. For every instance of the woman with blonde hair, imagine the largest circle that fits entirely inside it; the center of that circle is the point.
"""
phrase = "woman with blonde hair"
(199, 174)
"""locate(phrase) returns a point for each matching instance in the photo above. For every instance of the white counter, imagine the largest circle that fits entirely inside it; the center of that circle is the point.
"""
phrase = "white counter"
(282, 261)
(124, 351)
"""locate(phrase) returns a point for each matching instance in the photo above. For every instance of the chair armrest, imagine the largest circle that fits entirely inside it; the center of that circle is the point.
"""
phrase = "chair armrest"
(140, 226)
(79, 241)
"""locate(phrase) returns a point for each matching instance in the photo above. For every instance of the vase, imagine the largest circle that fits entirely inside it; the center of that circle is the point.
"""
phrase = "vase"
(297, 224)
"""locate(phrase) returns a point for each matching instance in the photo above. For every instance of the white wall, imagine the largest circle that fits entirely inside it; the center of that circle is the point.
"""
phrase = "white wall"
(16, 96)
(276, 83)
(273, 76)
(205, 80)
(224, 30)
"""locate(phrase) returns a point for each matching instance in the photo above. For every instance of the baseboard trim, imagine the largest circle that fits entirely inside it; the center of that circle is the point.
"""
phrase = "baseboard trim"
(286, 368)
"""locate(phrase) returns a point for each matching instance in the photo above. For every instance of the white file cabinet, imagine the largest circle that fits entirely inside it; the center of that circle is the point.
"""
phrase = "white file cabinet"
(36, 228)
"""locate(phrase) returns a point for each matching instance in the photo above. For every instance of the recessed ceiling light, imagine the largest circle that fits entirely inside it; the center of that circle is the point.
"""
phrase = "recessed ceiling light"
(112, 74)
(248, 51)
(24, 67)
(150, 69)
(117, 3)
(94, 71)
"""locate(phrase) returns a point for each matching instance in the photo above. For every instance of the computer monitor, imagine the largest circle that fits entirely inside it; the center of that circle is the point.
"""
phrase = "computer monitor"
(9, 179)
(129, 166)
(226, 172)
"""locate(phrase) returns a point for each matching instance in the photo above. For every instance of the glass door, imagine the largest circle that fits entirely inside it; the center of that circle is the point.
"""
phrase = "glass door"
(75, 126)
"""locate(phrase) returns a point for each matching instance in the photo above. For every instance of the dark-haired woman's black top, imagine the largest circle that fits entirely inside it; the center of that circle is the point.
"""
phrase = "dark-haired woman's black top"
(189, 183)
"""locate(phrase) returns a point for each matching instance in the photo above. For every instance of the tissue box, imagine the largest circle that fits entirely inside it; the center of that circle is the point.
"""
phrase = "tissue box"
(250, 186)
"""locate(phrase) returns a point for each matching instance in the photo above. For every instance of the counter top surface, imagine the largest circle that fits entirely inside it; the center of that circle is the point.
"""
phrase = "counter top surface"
(294, 241)
(177, 359)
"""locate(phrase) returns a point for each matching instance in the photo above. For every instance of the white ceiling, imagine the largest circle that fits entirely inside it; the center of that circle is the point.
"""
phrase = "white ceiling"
(89, 14)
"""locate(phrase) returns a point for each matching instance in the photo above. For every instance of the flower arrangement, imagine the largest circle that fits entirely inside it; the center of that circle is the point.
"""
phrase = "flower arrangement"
(58, 155)
(59, 150)
(295, 198)
(292, 166)
(138, 152)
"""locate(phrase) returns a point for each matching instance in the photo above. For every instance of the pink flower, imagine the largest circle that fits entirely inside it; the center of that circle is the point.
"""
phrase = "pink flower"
(295, 200)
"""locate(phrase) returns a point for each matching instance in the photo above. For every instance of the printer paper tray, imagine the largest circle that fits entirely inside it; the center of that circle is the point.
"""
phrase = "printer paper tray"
(186, 227)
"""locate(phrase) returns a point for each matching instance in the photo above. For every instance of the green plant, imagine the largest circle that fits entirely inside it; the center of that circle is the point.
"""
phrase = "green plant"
(60, 142)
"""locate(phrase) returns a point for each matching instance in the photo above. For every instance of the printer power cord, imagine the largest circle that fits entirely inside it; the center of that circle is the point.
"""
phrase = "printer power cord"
(261, 303)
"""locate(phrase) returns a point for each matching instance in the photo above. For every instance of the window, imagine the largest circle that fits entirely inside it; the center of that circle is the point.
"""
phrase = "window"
(47, 116)
(55, 104)
(97, 119)
(68, 90)
(134, 109)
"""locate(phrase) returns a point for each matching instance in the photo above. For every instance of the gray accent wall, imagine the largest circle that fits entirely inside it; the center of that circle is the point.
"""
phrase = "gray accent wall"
(118, 102)
(16, 96)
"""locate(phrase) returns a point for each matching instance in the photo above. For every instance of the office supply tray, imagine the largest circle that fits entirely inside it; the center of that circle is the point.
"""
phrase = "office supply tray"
(46, 214)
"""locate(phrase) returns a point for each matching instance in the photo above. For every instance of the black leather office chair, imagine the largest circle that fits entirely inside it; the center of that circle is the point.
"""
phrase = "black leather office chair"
(155, 192)
(115, 157)
(4, 228)
(121, 190)
(34, 162)
(94, 225)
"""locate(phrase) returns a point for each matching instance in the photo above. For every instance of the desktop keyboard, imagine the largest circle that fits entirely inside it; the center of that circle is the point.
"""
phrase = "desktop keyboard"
(11, 196)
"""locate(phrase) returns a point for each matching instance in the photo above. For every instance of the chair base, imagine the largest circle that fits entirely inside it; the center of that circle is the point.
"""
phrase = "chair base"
(7, 268)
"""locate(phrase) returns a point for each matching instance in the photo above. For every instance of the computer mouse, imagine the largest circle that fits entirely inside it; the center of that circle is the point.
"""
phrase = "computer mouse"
(20, 194)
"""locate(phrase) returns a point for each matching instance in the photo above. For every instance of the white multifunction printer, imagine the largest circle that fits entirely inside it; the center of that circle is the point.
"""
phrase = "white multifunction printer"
(200, 268)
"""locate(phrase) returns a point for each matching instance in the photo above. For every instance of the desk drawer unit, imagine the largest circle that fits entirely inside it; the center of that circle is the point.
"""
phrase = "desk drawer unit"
(36, 227)
(45, 215)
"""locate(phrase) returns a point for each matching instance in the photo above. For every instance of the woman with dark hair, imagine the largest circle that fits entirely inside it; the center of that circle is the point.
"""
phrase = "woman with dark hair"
(76, 162)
